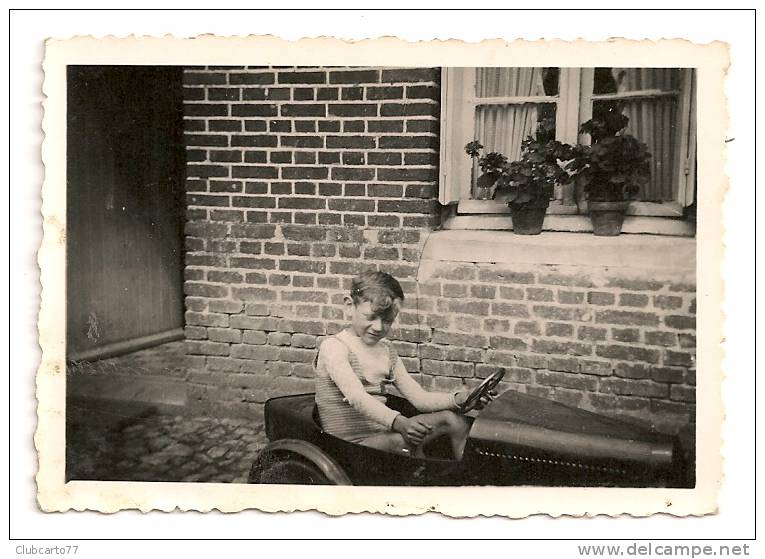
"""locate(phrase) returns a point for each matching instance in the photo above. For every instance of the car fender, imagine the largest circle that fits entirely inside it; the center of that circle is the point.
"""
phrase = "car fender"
(310, 452)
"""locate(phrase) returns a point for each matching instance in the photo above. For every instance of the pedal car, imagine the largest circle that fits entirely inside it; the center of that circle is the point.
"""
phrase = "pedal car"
(517, 439)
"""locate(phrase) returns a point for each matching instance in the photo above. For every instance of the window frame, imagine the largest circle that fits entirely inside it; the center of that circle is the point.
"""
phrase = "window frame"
(573, 106)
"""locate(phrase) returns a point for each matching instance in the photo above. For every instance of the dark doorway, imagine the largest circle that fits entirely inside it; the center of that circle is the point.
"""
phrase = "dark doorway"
(125, 172)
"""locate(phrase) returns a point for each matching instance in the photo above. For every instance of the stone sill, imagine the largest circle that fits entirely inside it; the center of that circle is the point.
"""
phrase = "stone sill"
(567, 249)
(645, 225)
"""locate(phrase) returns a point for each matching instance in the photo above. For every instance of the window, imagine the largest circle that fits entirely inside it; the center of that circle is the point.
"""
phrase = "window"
(501, 106)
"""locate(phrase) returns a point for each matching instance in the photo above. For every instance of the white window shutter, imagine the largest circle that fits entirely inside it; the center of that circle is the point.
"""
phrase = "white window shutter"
(457, 129)
(686, 165)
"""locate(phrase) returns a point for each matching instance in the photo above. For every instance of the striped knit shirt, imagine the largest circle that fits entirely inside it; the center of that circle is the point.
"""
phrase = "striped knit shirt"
(350, 387)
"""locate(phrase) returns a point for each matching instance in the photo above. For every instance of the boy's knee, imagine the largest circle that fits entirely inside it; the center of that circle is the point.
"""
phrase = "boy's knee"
(449, 419)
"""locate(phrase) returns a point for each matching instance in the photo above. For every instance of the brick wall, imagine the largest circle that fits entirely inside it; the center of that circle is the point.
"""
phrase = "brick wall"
(300, 178)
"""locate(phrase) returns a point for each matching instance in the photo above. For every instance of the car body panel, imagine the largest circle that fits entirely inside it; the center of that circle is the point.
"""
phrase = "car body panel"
(516, 440)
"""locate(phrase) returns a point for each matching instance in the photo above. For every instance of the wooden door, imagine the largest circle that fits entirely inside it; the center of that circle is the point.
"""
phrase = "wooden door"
(125, 172)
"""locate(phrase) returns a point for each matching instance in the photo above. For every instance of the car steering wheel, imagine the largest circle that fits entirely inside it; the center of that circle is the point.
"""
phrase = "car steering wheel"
(483, 389)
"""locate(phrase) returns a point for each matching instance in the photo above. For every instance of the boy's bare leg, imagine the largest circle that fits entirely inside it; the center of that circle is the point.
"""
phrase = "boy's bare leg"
(446, 423)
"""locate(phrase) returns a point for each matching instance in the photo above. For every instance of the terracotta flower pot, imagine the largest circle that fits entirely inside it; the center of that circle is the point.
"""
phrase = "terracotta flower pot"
(607, 217)
(528, 220)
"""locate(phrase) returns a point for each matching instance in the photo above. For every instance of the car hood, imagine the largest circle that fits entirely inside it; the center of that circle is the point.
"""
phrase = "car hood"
(542, 425)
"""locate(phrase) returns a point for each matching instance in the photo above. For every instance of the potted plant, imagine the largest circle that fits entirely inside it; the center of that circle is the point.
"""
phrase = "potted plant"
(525, 185)
(610, 171)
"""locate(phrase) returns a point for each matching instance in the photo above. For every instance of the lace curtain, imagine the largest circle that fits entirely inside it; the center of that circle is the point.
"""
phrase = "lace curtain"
(654, 121)
(502, 128)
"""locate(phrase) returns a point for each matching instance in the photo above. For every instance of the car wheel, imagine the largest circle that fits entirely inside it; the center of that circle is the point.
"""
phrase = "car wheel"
(287, 470)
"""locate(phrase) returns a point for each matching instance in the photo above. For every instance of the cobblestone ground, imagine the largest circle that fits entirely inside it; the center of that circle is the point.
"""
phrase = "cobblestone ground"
(125, 443)
(111, 440)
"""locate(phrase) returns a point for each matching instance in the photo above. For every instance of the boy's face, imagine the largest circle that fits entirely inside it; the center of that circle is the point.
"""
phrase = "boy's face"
(368, 325)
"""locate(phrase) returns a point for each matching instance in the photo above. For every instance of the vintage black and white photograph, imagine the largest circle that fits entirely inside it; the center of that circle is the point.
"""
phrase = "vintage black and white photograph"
(400, 276)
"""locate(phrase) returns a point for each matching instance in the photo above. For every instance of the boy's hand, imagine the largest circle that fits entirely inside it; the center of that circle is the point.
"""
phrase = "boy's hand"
(461, 397)
(414, 430)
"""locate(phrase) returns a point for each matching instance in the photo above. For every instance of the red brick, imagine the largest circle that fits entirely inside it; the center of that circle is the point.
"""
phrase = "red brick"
(195, 332)
(526, 327)
(450, 369)
(203, 78)
(354, 76)
(567, 364)
(254, 337)
(561, 347)
(204, 140)
(632, 370)
(225, 306)
(204, 290)
(298, 173)
(408, 75)
(600, 298)
(352, 109)
(513, 344)
(227, 335)
(667, 302)
(631, 387)
(253, 263)
(391, 126)
(628, 353)
(573, 280)
(255, 278)
(206, 319)
(206, 348)
(668, 374)
(629, 318)
(352, 174)
(680, 322)
(633, 300)
(507, 309)
(407, 174)
(635, 284)
(408, 142)
(295, 203)
(566, 380)
(667, 339)
(279, 338)
(591, 334)
(551, 312)
(206, 109)
(496, 358)
(591, 367)
(683, 393)
(351, 205)
(352, 93)
(687, 341)
(453, 338)
(302, 327)
(302, 141)
(490, 275)
(251, 78)
(389, 92)
(679, 358)
(625, 334)
(539, 294)
(477, 308)
(256, 352)
(296, 77)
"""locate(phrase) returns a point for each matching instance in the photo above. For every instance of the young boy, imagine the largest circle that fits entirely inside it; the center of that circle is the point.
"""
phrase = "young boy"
(354, 366)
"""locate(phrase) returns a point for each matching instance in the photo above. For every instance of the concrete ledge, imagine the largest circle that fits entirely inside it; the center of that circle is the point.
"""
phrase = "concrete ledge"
(158, 391)
(571, 249)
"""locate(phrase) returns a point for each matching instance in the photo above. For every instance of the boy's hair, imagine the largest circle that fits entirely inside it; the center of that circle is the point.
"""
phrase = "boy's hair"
(379, 288)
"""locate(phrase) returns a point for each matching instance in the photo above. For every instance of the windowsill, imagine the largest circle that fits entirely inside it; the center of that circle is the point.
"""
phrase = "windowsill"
(635, 208)
(575, 223)
(559, 248)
